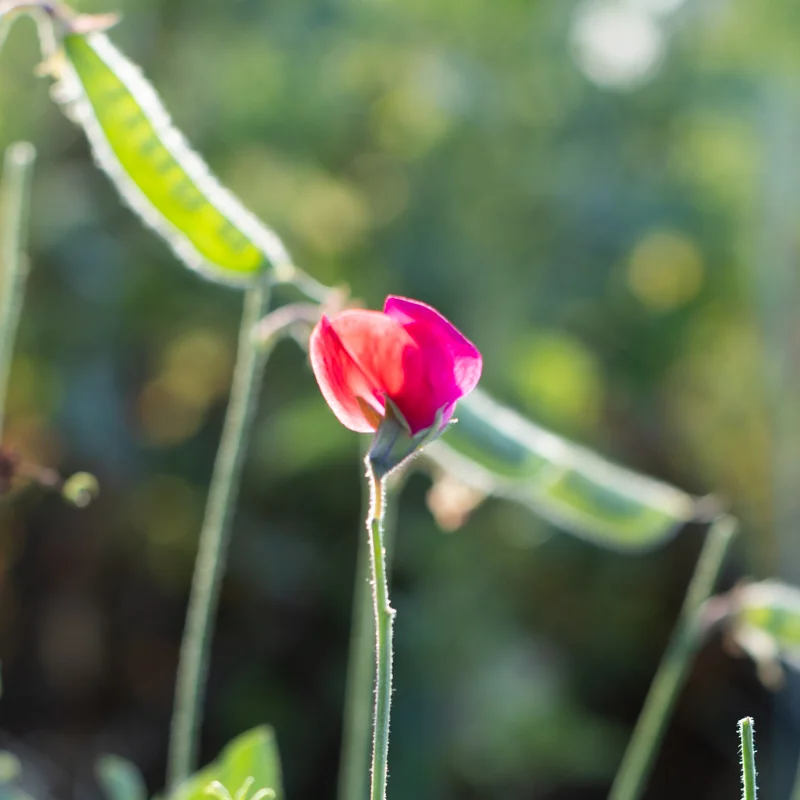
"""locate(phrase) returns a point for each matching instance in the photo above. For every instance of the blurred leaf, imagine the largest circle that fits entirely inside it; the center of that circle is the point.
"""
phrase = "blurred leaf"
(772, 608)
(120, 779)
(497, 451)
(253, 755)
(764, 622)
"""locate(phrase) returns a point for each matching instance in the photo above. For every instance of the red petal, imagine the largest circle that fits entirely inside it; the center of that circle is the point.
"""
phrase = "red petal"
(340, 378)
(407, 366)
(466, 358)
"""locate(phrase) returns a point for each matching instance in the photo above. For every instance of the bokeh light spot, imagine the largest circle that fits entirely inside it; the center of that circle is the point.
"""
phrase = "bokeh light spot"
(616, 45)
(665, 270)
(559, 379)
(167, 510)
(194, 372)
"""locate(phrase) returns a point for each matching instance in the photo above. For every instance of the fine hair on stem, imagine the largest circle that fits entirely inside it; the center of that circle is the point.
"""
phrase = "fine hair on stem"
(747, 751)
(384, 622)
(358, 710)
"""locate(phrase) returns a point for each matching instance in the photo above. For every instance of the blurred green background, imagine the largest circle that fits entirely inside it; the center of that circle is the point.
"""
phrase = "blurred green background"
(602, 194)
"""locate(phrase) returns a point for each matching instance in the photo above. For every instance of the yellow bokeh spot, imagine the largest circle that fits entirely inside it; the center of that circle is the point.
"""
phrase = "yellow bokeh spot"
(194, 371)
(665, 270)
(560, 379)
(34, 386)
(167, 512)
(326, 213)
(330, 214)
(164, 418)
(196, 367)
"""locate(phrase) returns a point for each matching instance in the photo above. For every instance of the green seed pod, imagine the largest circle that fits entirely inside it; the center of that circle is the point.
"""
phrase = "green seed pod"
(150, 163)
(495, 451)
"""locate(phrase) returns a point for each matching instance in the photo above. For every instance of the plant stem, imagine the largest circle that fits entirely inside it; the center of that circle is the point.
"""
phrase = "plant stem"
(671, 674)
(749, 788)
(213, 545)
(384, 619)
(354, 762)
(15, 202)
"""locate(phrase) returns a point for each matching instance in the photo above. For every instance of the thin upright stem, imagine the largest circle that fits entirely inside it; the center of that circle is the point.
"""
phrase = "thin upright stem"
(213, 545)
(748, 748)
(356, 735)
(14, 206)
(671, 674)
(384, 619)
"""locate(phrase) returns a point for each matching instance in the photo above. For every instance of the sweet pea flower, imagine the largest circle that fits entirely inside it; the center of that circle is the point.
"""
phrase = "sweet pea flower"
(406, 363)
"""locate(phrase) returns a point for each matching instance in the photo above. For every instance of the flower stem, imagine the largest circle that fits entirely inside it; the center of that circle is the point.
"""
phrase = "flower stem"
(14, 203)
(671, 674)
(213, 546)
(384, 619)
(749, 788)
(355, 755)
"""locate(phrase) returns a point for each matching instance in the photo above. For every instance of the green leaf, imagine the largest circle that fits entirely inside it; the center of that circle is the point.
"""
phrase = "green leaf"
(155, 171)
(253, 755)
(120, 779)
(498, 452)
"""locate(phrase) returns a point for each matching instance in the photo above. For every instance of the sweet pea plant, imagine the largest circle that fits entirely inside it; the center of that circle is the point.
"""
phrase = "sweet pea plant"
(398, 373)
(403, 375)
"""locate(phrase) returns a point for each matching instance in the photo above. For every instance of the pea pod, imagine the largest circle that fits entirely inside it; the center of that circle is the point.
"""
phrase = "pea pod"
(496, 451)
(156, 172)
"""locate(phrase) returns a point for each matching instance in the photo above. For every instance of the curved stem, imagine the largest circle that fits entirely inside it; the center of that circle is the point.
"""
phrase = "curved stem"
(384, 619)
(355, 755)
(17, 172)
(671, 674)
(213, 546)
(749, 788)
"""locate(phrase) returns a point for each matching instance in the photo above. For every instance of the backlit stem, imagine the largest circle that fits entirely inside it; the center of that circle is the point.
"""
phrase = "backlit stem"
(213, 546)
(356, 736)
(748, 748)
(384, 619)
(14, 203)
(671, 674)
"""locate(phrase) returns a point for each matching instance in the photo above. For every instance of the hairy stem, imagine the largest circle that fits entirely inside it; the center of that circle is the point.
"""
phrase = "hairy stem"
(355, 755)
(384, 619)
(213, 546)
(748, 748)
(671, 674)
(14, 206)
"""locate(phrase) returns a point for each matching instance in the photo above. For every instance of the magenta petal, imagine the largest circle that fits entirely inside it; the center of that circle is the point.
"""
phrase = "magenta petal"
(467, 361)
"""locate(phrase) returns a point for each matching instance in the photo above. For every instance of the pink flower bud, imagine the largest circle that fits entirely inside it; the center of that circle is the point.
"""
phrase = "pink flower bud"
(408, 353)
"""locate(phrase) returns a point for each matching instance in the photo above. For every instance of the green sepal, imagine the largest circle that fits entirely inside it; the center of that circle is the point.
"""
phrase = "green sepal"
(394, 443)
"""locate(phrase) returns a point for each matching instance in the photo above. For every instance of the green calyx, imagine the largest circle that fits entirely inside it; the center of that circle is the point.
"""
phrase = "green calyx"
(394, 443)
